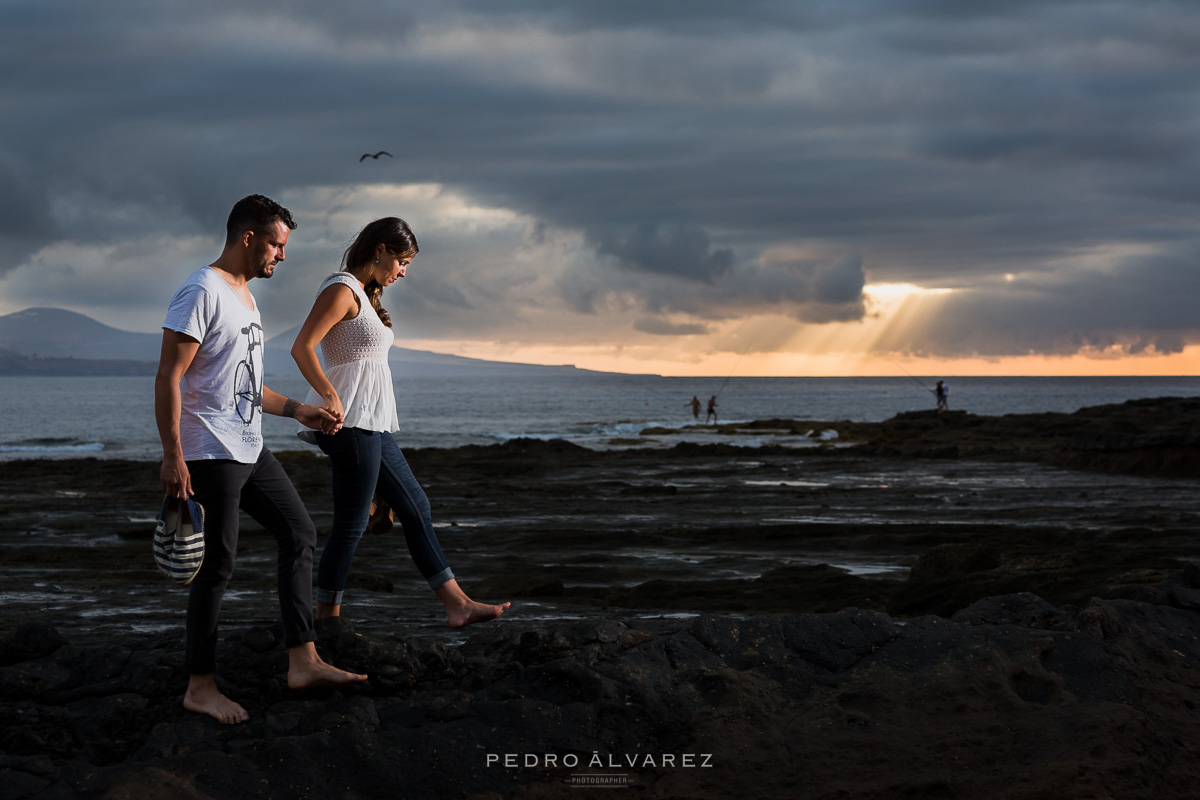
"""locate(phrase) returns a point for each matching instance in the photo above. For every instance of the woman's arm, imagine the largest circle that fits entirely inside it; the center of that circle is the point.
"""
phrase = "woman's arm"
(333, 305)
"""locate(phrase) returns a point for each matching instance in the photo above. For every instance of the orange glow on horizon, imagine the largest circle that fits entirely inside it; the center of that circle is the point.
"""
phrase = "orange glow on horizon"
(787, 347)
(642, 360)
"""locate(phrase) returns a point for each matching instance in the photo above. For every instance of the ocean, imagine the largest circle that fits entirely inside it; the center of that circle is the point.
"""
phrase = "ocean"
(113, 417)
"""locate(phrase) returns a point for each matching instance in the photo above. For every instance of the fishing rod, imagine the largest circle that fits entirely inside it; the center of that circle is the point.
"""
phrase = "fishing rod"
(909, 374)
(735, 366)
(730, 375)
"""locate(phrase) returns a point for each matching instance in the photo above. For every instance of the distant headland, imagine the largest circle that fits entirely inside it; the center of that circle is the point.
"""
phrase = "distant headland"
(58, 342)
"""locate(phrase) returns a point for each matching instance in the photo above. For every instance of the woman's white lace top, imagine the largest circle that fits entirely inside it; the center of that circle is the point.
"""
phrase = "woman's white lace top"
(355, 353)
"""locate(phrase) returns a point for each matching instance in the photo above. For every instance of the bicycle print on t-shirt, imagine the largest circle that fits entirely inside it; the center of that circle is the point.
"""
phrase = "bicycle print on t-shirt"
(247, 379)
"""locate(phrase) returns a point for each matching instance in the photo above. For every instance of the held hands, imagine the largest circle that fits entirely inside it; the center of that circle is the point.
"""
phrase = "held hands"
(320, 419)
(333, 407)
(311, 416)
(333, 404)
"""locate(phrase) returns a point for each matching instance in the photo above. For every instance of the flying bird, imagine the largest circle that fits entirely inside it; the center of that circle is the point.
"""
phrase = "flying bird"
(375, 156)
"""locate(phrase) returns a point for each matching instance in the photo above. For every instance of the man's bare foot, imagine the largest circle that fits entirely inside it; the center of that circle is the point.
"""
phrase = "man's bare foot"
(474, 612)
(306, 670)
(325, 610)
(203, 697)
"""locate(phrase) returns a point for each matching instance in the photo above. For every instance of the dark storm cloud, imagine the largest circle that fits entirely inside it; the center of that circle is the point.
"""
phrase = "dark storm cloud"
(819, 291)
(660, 327)
(683, 141)
(25, 219)
(1146, 302)
(809, 290)
(680, 251)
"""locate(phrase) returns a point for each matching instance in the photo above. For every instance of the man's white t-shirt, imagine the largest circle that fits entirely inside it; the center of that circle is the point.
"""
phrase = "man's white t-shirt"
(222, 388)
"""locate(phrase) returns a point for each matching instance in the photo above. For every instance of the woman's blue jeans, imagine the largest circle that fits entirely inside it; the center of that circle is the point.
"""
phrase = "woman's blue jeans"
(366, 463)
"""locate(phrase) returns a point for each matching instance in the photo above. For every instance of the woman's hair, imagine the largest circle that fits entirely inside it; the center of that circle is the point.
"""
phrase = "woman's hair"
(394, 234)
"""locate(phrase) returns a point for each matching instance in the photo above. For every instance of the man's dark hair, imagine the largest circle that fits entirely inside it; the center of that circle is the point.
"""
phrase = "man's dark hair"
(256, 213)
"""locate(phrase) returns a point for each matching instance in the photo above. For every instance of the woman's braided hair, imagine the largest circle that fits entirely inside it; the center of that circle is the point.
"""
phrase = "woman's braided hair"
(395, 235)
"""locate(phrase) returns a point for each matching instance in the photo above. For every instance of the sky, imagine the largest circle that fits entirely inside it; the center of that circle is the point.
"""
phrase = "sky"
(681, 187)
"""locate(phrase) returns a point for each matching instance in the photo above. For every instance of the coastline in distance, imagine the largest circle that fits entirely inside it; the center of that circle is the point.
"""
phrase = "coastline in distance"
(58, 342)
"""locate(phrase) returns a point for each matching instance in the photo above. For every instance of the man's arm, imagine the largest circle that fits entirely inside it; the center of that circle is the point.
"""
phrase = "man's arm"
(316, 418)
(178, 350)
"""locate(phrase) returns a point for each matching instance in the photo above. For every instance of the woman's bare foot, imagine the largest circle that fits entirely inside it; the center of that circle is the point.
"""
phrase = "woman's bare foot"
(474, 612)
(325, 610)
(462, 610)
(203, 697)
(306, 670)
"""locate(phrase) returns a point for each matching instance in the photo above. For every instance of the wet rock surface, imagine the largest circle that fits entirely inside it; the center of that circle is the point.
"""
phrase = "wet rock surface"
(1148, 437)
(951, 606)
(1157, 436)
(1013, 698)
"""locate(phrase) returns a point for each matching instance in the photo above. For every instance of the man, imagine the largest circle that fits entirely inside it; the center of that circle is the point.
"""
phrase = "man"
(942, 393)
(211, 431)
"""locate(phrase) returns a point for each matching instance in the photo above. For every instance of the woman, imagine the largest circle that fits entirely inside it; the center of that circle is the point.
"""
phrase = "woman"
(356, 386)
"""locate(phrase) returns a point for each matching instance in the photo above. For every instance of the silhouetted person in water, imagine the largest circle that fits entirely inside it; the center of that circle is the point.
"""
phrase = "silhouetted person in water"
(695, 404)
(942, 392)
(712, 410)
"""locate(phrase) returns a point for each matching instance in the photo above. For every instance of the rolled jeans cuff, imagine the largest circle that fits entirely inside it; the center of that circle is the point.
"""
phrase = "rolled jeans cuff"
(329, 597)
(440, 579)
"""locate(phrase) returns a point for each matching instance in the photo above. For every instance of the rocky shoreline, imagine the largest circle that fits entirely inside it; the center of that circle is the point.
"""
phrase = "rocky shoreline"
(1158, 436)
(949, 606)
(1012, 698)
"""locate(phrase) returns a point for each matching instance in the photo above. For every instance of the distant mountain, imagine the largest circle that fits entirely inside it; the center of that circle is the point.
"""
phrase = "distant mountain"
(67, 343)
(419, 363)
(58, 333)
